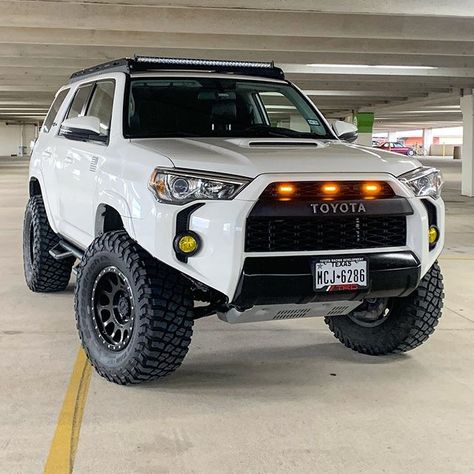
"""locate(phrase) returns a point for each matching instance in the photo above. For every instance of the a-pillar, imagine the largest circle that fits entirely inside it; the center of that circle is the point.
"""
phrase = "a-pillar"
(467, 107)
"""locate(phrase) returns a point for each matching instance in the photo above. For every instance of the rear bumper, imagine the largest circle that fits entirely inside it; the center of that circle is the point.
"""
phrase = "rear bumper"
(279, 280)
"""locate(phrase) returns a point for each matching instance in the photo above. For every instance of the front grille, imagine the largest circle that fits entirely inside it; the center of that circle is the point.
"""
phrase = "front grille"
(294, 234)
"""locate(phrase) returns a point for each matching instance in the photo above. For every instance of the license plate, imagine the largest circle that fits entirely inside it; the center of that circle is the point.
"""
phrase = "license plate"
(340, 274)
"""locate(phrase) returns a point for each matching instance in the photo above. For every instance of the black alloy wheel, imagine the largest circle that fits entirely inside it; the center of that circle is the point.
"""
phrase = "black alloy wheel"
(113, 308)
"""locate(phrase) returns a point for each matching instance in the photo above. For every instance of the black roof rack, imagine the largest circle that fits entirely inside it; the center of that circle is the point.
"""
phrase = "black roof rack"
(150, 63)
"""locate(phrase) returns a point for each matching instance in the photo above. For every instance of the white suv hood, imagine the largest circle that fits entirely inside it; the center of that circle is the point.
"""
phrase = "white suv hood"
(254, 156)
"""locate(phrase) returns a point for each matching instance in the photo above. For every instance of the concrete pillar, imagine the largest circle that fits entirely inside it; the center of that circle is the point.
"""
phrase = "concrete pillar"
(392, 136)
(467, 107)
(22, 140)
(364, 139)
(365, 125)
(427, 139)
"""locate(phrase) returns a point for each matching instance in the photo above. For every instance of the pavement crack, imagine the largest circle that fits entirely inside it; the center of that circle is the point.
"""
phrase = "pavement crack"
(458, 314)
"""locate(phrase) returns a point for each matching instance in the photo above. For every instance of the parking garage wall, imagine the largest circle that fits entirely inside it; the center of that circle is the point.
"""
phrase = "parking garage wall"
(11, 138)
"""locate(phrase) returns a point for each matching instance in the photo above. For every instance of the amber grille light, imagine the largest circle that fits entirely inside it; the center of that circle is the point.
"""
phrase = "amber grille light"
(340, 190)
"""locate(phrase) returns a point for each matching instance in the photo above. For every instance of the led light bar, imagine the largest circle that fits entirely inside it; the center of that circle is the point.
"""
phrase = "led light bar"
(202, 62)
(154, 63)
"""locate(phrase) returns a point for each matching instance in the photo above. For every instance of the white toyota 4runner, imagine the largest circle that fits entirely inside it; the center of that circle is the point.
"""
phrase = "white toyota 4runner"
(189, 188)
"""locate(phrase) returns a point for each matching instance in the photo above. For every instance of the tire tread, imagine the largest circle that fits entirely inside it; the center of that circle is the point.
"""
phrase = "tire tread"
(46, 274)
(165, 327)
(416, 323)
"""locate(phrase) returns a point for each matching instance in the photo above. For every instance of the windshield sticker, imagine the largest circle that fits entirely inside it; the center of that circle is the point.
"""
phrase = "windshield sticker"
(313, 122)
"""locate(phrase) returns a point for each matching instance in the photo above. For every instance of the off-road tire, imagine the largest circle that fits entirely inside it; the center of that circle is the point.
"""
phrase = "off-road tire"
(163, 314)
(409, 323)
(42, 272)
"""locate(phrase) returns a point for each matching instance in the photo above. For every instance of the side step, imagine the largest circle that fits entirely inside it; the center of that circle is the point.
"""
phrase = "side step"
(65, 250)
(288, 311)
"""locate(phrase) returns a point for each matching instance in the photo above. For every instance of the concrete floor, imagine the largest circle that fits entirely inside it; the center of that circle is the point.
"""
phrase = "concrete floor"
(260, 398)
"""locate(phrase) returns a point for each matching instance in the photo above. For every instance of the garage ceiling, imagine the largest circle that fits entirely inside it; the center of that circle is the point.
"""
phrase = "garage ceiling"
(423, 51)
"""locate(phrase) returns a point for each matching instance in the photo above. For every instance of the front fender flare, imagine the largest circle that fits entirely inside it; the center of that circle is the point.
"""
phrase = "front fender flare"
(117, 202)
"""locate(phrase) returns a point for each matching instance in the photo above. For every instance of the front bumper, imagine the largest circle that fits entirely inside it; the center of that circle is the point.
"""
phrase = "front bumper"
(282, 280)
(222, 264)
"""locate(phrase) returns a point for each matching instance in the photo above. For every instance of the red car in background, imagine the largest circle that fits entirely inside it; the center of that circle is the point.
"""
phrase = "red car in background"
(397, 147)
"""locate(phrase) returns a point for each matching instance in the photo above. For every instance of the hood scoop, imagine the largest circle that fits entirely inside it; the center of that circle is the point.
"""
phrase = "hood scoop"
(281, 143)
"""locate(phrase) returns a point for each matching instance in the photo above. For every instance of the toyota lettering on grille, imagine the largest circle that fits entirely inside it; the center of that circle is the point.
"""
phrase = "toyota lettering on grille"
(338, 208)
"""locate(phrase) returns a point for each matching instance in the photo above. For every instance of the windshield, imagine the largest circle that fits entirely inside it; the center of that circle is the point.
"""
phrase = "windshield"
(210, 107)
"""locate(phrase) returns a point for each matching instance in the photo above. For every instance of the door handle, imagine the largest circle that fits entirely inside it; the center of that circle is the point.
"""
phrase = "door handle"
(68, 160)
(47, 154)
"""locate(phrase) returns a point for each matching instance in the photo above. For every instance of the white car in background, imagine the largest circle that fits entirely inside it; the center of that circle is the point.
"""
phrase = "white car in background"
(179, 181)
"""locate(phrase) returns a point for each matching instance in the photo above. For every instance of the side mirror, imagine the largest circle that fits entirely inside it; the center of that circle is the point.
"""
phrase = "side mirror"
(82, 128)
(345, 131)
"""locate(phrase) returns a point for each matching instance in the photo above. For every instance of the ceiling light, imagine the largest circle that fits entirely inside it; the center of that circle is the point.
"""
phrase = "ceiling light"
(370, 66)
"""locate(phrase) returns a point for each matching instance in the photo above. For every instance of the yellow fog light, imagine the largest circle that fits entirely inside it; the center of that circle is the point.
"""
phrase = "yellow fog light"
(433, 234)
(187, 243)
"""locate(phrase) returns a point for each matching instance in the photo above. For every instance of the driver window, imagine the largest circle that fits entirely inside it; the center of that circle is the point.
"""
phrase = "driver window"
(100, 105)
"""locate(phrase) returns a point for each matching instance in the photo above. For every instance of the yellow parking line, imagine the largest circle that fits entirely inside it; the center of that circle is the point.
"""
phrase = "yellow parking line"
(64, 445)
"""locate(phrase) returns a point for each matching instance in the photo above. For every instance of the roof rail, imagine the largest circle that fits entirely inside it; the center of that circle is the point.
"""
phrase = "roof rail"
(150, 63)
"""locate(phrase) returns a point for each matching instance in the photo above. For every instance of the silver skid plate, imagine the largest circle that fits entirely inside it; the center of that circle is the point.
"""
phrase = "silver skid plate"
(288, 311)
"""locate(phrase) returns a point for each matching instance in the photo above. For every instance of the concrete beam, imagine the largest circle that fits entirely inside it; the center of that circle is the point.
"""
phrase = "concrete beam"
(401, 7)
(19, 95)
(37, 61)
(31, 78)
(430, 101)
(421, 111)
(52, 78)
(23, 103)
(36, 112)
(41, 71)
(94, 40)
(231, 21)
(31, 54)
(414, 126)
(362, 93)
(50, 81)
(420, 81)
(420, 118)
(33, 88)
(387, 86)
(384, 71)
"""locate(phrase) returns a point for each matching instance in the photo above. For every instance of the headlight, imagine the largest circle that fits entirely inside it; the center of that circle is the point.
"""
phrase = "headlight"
(180, 187)
(424, 181)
